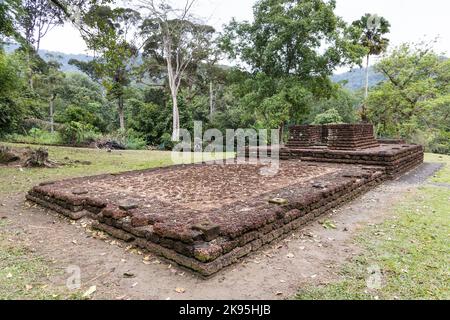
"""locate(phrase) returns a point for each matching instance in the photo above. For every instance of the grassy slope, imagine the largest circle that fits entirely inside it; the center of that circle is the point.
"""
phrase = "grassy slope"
(411, 250)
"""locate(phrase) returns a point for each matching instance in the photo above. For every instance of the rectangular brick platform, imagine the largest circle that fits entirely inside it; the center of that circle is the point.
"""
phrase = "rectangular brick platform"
(206, 217)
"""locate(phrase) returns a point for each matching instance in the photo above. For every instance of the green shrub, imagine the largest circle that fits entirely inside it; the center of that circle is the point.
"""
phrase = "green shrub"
(129, 139)
(135, 141)
(81, 115)
(328, 117)
(439, 143)
(166, 142)
(76, 133)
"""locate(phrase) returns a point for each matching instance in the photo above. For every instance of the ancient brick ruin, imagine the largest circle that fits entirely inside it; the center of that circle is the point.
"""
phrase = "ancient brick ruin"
(207, 216)
(334, 136)
(352, 144)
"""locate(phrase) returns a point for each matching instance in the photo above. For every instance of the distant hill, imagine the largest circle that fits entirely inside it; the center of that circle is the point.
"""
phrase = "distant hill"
(356, 78)
(63, 58)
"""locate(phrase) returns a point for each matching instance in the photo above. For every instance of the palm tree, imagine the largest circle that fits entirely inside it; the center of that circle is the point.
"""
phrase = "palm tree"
(371, 29)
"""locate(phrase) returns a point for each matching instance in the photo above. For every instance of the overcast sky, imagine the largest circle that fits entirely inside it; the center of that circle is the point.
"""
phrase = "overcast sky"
(411, 20)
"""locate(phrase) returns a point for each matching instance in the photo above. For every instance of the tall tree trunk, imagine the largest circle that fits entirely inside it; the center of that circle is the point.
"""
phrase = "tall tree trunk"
(211, 99)
(175, 118)
(121, 113)
(52, 124)
(366, 94)
(30, 70)
(281, 132)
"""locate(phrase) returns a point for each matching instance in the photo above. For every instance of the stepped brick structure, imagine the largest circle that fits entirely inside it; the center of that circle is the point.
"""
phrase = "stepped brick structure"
(351, 137)
(336, 137)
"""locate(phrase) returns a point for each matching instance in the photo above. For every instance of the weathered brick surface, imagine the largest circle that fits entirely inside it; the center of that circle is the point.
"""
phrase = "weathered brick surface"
(337, 136)
(306, 135)
(232, 230)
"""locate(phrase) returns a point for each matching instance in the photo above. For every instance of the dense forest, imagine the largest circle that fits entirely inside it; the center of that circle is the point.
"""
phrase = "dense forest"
(156, 69)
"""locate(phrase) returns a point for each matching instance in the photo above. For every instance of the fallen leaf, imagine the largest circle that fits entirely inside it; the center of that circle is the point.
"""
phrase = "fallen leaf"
(180, 290)
(89, 291)
(328, 224)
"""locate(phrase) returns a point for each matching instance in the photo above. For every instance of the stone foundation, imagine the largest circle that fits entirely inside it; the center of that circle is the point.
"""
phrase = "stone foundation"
(207, 238)
(206, 217)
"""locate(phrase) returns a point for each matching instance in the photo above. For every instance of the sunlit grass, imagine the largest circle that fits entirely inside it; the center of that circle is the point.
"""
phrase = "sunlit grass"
(411, 249)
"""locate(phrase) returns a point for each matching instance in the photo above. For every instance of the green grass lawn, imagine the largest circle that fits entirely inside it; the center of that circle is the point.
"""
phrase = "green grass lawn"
(409, 253)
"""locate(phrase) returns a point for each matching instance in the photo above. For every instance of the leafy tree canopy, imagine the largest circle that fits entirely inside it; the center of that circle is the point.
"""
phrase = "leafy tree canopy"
(415, 98)
(287, 37)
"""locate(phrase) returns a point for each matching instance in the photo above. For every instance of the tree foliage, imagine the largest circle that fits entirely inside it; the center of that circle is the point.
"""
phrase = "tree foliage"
(112, 36)
(287, 37)
(176, 41)
(291, 49)
(370, 31)
(11, 83)
(414, 102)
